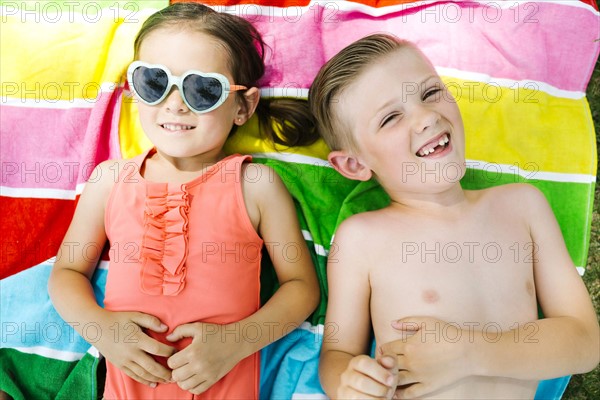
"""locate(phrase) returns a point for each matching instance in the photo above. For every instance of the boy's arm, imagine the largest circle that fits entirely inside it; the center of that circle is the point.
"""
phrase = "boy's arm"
(73, 297)
(345, 369)
(287, 309)
(565, 342)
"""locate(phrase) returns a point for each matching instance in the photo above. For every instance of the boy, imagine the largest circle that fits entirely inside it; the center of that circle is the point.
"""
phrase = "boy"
(437, 251)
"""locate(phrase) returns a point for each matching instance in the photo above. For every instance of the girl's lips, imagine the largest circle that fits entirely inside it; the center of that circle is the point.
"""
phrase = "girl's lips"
(434, 146)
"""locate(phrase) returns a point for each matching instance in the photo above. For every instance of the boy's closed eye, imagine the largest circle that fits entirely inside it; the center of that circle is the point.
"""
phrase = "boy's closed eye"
(431, 92)
(389, 118)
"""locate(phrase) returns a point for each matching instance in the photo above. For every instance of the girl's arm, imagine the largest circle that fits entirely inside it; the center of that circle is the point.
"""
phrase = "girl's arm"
(345, 369)
(216, 349)
(73, 297)
(565, 342)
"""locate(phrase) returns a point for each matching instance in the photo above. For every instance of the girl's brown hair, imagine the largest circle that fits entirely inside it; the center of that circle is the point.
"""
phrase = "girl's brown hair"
(246, 50)
(337, 74)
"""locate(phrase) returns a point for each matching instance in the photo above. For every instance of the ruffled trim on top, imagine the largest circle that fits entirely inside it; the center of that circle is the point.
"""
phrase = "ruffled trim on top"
(165, 244)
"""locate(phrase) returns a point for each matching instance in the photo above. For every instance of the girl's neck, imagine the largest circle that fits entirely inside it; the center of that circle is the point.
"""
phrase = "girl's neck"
(160, 167)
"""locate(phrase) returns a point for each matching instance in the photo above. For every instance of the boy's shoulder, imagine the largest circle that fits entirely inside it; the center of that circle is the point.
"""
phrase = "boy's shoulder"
(364, 226)
(522, 193)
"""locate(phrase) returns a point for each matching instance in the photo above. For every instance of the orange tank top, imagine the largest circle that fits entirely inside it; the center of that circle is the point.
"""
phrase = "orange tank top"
(183, 253)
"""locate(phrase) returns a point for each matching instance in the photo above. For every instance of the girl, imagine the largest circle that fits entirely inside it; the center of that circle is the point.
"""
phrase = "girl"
(186, 224)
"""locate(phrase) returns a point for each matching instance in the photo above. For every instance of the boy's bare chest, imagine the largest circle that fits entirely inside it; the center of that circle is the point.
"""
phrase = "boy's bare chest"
(478, 272)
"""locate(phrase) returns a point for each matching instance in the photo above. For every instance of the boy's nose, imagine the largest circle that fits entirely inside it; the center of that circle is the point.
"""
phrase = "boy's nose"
(424, 118)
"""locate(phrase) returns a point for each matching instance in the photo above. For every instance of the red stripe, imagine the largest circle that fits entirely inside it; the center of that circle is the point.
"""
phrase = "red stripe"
(32, 231)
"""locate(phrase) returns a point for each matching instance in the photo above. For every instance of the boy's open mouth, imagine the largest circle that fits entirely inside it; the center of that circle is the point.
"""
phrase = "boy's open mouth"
(434, 146)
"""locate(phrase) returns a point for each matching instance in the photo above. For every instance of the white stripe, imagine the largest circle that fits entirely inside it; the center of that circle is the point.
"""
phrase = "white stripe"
(51, 353)
(107, 88)
(510, 83)
(37, 193)
(511, 4)
(530, 173)
(319, 249)
(293, 158)
(103, 265)
(316, 329)
(304, 396)
(328, 14)
(94, 352)
(331, 8)
(289, 92)
(581, 270)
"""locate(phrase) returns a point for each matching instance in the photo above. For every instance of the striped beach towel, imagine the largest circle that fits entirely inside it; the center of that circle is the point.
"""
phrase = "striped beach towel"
(519, 71)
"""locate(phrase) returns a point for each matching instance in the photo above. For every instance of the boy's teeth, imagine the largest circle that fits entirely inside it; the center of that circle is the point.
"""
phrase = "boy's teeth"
(443, 140)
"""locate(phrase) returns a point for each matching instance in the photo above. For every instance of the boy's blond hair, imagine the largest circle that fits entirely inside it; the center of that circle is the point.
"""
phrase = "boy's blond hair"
(336, 75)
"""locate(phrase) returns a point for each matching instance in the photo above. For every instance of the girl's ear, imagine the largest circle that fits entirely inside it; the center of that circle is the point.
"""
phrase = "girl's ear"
(251, 99)
(349, 166)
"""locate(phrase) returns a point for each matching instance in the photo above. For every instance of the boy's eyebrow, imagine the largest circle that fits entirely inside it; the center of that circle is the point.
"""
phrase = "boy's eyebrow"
(404, 85)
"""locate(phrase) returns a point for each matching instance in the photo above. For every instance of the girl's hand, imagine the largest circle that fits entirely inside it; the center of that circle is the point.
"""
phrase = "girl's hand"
(432, 354)
(207, 359)
(368, 378)
(125, 345)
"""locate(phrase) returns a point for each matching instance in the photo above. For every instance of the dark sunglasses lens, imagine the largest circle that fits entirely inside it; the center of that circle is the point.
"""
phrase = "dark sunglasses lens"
(150, 83)
(200, 92)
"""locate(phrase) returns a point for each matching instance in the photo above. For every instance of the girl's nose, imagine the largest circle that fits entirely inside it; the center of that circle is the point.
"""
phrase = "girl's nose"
(174, 102)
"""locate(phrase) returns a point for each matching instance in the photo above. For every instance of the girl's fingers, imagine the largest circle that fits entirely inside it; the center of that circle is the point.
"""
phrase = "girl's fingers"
(148, 321)
(194, 384)
(151, 370)
(153, 346)
(133, 374)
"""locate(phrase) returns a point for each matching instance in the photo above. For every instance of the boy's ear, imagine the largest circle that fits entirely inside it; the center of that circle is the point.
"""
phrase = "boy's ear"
(251, 97)
(349, 166)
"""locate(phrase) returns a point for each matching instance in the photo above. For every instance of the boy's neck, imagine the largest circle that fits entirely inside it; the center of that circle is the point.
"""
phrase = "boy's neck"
(447, 203)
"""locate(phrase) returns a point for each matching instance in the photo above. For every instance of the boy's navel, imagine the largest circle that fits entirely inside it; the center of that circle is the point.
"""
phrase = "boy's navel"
(430, 296)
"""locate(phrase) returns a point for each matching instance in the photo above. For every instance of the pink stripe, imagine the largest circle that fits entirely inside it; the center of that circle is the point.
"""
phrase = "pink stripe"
(57, 148)
(545, 42)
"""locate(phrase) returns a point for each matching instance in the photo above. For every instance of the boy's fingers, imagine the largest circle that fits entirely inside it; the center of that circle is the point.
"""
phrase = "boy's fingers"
(410, 392)
(369, 367)
(407, 324)
(372, 388)
(388, 361)
(405, 378)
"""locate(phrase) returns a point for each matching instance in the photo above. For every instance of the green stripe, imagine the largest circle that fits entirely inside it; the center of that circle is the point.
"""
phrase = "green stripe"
(30, 376)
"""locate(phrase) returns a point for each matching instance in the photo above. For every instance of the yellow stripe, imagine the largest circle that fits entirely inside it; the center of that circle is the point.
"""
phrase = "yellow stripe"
(64, 61)
(526, 128)
(246, 140)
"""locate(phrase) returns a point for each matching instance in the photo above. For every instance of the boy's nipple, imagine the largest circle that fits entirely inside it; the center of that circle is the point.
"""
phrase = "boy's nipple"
(430, 296)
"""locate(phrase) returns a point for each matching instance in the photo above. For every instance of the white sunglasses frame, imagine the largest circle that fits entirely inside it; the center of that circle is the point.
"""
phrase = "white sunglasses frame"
(178, 81)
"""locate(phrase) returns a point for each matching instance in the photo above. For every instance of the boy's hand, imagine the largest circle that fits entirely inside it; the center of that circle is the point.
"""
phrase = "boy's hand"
(126, 346)
(207, 359)
(368, 378)
(430, 355)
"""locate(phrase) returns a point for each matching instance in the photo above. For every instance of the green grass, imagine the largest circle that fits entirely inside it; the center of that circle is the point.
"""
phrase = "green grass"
(587, 386)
